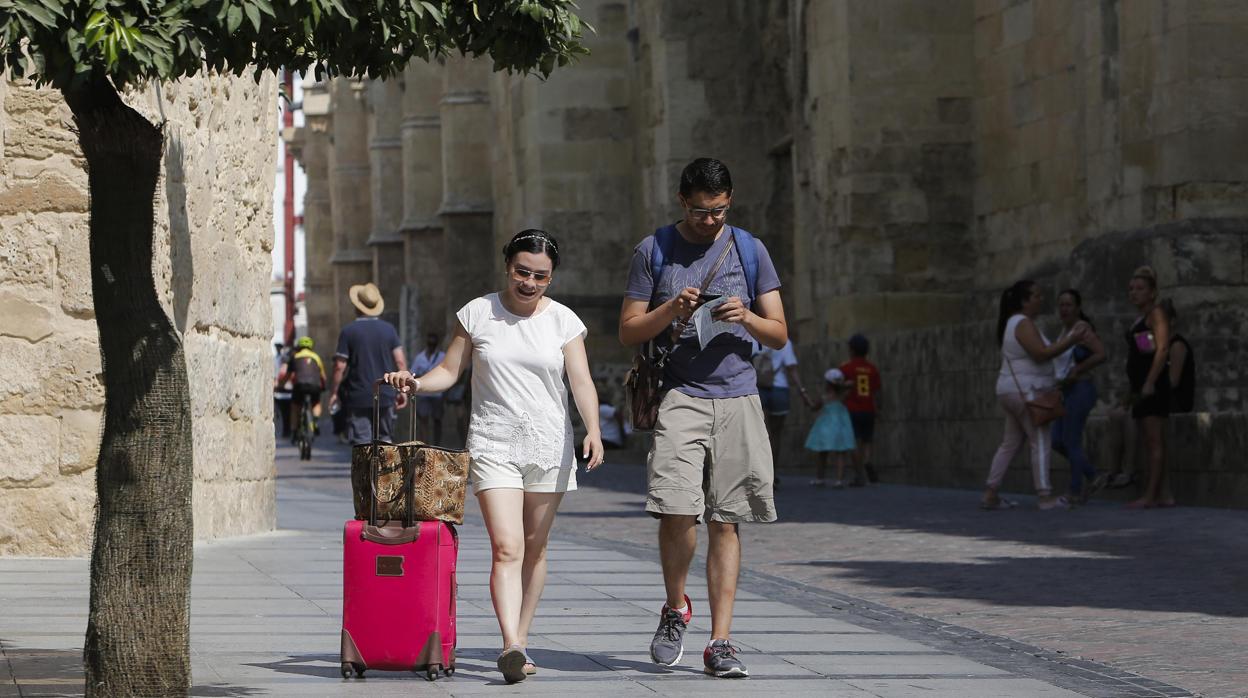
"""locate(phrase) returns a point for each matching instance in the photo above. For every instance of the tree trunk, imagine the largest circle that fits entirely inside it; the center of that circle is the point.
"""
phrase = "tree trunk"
(138, 631)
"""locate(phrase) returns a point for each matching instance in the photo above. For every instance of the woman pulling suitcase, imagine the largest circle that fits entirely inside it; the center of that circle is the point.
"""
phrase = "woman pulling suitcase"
(520, 344)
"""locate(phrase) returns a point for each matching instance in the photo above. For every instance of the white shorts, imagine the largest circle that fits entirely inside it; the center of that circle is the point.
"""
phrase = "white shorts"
(488, 474)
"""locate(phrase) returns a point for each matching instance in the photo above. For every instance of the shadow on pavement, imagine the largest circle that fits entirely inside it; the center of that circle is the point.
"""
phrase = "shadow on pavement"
(323, 665)
(1186, 559)
(35, 670)
(225, 691)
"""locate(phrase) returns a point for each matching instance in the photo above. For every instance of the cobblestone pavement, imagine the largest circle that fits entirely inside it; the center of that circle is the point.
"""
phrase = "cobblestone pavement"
(885, 592)
(1161, 593)
(1070, 586)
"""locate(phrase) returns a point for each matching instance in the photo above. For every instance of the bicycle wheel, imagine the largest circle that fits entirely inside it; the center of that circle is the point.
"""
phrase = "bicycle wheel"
(309, 425)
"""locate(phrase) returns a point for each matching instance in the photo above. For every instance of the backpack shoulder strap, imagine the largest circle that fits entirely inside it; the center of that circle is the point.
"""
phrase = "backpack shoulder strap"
(747, 249)
(664, 240)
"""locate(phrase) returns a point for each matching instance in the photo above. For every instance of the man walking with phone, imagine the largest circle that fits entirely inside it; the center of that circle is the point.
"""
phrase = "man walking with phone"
(710, 460)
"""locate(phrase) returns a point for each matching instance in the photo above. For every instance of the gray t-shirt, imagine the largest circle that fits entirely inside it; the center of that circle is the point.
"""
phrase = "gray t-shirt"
(723, 369)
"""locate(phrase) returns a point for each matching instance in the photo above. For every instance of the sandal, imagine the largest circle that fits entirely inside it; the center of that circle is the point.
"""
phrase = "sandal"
(1058, 502)
(530, 668)
(511, 664)
(998, 503)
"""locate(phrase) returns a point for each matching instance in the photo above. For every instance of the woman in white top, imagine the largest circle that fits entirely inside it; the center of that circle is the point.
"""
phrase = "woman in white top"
(1026, 370)
(520, 344)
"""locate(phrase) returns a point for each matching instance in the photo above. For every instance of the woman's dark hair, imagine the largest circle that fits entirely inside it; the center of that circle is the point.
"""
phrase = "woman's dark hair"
(534, 241)
(707, 175)
(1078, 304)
(1012, 300)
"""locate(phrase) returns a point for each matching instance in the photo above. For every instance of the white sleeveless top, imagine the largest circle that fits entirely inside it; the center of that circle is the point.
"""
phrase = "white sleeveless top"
(519, 399)
(1033, 376)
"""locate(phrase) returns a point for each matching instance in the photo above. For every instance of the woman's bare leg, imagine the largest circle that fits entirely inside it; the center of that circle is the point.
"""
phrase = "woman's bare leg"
(539, 516)
(1153, 431)
(503, 511)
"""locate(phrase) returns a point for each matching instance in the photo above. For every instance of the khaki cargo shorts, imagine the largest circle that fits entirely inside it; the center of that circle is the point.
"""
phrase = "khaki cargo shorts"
(711, 458)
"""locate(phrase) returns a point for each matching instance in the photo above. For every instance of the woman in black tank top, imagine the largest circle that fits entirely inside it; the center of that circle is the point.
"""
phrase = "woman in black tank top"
(1148, 345)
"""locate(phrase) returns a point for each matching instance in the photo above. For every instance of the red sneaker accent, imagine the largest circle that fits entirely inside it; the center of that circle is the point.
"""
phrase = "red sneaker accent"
(688, 616)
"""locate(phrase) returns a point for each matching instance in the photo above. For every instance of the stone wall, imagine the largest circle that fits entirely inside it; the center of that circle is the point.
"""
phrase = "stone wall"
(214, 234)
(1092, 133)
(903, 160)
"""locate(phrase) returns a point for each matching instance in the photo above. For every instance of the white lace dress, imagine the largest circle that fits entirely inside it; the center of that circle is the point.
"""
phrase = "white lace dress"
(519, 398)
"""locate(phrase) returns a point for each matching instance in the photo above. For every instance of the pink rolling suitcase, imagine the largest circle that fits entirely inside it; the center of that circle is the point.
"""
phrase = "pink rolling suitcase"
(398, 595)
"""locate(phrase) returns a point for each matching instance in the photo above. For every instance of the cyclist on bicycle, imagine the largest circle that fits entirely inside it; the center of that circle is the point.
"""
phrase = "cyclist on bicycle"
(308, 371)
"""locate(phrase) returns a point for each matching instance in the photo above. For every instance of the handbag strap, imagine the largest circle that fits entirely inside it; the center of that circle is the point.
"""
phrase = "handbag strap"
(409, 477)
(679, 328)
(1010, 364)
(411, 414)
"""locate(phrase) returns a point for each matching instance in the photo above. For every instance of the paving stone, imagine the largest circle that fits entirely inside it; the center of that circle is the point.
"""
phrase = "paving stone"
(266, 616)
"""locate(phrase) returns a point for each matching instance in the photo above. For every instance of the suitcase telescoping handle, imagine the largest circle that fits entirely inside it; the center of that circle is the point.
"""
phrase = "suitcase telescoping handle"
(409, 477)
(411, 410)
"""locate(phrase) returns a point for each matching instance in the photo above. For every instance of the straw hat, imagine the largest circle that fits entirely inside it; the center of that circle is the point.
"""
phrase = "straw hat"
(367, 299)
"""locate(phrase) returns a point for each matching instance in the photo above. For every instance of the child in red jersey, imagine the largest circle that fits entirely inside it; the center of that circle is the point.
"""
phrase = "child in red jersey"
(862, 402)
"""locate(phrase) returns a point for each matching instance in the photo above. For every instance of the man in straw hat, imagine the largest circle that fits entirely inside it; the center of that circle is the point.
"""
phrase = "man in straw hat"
(368, 348)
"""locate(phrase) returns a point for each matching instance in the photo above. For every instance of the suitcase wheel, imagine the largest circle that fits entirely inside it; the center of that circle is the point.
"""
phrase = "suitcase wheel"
(348, 667)
(449, 671)
(432, 671)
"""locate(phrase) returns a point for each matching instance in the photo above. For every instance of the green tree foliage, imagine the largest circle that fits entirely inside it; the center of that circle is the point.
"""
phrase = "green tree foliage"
(137, 640)
(63, 43)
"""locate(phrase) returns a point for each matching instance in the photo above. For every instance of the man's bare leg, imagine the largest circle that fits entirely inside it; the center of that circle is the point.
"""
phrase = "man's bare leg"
(723, 565)
(678, 540)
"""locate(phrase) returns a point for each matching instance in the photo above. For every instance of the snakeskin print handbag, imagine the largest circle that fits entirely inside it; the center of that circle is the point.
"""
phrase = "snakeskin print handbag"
(381, 473)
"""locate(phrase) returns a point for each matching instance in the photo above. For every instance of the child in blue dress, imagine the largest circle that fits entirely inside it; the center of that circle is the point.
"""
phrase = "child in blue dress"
(832, 434)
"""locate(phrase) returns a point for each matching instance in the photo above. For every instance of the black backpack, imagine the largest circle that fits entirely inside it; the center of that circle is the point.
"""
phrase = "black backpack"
(307, 372)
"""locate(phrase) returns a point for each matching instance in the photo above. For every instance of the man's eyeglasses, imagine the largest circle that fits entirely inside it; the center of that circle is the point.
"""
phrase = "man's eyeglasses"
(540, 278)
(715, 213)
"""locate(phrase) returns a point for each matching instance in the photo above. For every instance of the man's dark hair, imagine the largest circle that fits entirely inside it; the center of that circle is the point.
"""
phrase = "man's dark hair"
(707, 175)
(859, 345)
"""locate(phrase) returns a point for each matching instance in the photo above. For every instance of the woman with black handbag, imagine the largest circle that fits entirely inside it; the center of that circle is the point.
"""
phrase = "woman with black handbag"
(1026, 391)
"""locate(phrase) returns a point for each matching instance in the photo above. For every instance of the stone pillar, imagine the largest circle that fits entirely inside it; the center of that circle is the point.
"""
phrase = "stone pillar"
(425, 278)
(350, 193)
(886, 91)
(699, 95)
(311, 146)
(385, 113)
(564, 162)
(467, 210)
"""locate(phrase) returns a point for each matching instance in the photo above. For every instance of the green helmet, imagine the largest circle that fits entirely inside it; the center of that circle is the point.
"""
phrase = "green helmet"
(303, 343)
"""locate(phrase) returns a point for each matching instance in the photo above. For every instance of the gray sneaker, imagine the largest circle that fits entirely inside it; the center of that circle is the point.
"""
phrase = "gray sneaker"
(720, 658)
(668, 645)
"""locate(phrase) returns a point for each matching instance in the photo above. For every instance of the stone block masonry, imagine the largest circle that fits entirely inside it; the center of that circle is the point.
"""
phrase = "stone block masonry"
(903, 161)
(212, 262)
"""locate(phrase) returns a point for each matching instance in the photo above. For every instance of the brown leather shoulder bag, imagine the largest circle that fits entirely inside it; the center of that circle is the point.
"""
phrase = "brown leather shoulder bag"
(644, 382)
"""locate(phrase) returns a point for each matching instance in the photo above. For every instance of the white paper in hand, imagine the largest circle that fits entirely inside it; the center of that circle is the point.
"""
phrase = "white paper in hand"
(705, 325)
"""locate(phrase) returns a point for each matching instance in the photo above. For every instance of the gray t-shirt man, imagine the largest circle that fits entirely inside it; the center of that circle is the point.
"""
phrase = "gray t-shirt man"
(723, 369)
